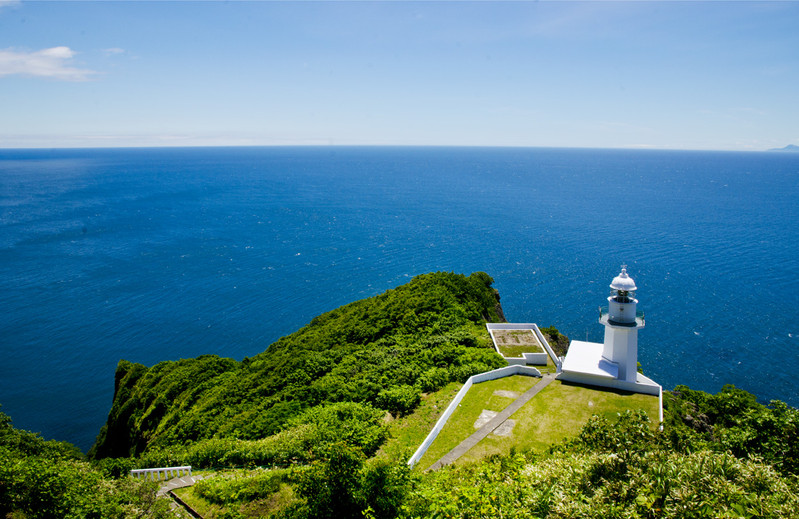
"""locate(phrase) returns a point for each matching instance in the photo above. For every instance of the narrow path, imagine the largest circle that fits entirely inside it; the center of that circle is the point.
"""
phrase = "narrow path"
(495, 422)
(175, 502)
(172, 484)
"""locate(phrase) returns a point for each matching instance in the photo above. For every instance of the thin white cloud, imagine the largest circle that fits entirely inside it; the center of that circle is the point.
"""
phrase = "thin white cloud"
(52, 63)
(113, 51)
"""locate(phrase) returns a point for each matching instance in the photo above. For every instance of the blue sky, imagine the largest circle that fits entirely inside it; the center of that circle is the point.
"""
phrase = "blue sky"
(679, 75)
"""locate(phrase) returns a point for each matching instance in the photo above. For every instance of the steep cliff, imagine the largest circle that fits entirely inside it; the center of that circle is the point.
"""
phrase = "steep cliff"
(383, 351)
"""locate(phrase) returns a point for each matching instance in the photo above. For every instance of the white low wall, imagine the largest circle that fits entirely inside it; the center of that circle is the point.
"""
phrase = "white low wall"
(532, 360)
(510, 326)
(535, 358)
(474, 379)
(155, 474)
(555, 359)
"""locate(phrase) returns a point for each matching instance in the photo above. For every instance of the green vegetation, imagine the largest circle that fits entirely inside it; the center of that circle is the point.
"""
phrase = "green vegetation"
(619, 468)
(322, 423)
(558, 412)
(342, 482)
(557, 341)
(255, 492)
(722, 455)
(618, 465)
(49, 479)
(733, 421)
(407, 433)
(517, 351)
(355, 425)
(383, 352)
(480, 397)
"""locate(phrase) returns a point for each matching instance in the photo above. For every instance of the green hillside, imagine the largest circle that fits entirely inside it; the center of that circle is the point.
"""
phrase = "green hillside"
(382, 352)
(321, 424)
(51, 479)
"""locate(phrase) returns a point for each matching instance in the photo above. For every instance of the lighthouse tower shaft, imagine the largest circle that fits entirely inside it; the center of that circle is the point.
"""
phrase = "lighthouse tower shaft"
(621, 327)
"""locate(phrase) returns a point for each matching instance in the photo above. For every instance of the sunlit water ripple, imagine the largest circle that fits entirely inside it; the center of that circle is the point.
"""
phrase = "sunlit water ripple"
(159, 254)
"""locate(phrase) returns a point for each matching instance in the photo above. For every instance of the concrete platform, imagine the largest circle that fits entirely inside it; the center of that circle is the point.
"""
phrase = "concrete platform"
(586, 358)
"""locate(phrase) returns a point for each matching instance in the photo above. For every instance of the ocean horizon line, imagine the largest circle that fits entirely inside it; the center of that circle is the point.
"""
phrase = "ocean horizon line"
(388, 146)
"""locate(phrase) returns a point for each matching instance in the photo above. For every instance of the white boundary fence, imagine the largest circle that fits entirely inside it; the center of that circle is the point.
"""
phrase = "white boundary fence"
(557, 360)
(474, 379)
(525, 326)
(155, 474)
(515, 369)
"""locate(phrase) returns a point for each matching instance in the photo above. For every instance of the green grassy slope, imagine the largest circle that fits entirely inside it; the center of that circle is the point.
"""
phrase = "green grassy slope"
(382, 351)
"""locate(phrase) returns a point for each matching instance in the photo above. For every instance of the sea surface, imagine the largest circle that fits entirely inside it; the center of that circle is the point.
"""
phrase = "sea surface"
(161, 254)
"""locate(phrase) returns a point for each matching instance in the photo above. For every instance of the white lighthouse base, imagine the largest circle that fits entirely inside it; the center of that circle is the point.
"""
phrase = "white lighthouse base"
(584, 364)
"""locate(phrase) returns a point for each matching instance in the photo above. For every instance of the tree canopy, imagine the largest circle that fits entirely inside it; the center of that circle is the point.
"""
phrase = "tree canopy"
(383, 352)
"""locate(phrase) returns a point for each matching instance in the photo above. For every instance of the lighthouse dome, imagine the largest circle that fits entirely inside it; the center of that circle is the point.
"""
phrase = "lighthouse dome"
(623, 282)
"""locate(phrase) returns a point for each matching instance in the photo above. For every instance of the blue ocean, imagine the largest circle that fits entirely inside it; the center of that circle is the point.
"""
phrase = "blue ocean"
(161, 254)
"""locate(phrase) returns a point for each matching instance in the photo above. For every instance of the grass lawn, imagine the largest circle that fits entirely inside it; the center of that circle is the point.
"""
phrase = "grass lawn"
(516, 351)
(201, 506)
(558, 412)
(549, 368)
(461, 424)
(408, 432)
(512, 343)
(247, 508)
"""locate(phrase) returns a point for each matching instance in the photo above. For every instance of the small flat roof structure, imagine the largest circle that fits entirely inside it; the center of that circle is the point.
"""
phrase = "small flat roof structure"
(586, 357)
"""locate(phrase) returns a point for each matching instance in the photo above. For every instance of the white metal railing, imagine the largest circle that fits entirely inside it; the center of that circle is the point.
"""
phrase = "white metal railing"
(604, 316)
(155, 474)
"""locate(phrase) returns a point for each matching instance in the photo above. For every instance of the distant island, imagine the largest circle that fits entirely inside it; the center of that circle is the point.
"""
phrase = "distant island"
(790, 147)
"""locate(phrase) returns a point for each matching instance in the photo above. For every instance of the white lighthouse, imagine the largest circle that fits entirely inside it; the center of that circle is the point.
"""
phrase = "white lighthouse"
(614, 363)
(621, 326)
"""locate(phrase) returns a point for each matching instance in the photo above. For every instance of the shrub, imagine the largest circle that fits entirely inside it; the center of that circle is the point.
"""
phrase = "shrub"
(225, 488)
(433, 379)
(399, 400)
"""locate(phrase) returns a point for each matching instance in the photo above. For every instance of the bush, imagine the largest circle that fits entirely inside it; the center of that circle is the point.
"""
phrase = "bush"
(330, 485)
(341, 484)
(115, 468)
(399, 400)
(357, 425)
(226, 488)
(433, 379)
